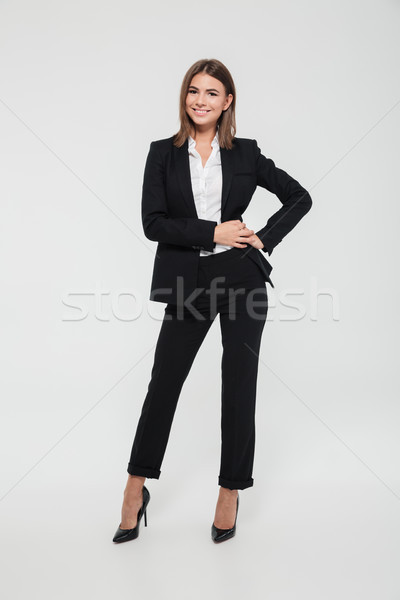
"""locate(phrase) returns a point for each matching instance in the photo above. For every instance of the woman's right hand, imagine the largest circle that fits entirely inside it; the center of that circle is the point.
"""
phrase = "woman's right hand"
(232, 233)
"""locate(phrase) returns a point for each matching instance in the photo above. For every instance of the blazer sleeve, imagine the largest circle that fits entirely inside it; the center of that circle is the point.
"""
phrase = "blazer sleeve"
(295, 199)
(157, 224)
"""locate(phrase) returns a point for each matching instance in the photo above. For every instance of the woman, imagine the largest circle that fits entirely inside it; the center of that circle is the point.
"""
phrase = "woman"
(196, 186)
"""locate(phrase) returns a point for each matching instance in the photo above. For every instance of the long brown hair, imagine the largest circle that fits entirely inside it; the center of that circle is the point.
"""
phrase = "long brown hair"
(226, 124)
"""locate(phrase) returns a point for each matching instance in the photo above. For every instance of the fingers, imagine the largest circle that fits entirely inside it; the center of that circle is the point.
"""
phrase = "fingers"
(240, 235)
(250, 240)
(246, 232)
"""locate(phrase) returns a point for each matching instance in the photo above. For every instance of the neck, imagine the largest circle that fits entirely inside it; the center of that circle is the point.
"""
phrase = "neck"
(204, 135)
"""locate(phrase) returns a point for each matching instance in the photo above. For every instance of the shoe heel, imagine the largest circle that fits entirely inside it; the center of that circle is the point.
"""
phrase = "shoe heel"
(123, 535)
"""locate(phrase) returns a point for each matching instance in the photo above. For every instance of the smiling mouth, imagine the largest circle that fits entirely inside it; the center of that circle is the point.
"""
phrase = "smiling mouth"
(200, 112)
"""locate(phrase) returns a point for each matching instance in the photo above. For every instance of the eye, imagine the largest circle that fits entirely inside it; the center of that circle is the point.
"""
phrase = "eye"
(195, 92)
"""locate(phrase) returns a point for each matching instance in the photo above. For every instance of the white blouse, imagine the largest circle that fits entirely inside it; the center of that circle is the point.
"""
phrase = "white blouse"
(207, 186)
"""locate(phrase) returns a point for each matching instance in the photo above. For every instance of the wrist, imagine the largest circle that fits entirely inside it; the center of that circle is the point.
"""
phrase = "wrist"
(215, 234)
(260, 243)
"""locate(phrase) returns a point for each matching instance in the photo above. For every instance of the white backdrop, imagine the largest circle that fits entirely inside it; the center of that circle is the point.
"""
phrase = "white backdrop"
(85, 87)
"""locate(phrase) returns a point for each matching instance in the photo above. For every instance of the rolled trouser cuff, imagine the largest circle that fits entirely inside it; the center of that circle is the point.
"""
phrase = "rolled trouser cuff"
(235, 485)
(143, 471)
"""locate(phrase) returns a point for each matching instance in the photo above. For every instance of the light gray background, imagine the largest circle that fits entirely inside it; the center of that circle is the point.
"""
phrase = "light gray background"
(85, 87)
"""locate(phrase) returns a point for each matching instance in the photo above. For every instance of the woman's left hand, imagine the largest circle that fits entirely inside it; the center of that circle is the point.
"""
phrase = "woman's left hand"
(254, 241)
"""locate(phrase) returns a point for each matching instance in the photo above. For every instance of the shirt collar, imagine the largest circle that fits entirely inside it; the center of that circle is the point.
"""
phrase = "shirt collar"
(214, 143)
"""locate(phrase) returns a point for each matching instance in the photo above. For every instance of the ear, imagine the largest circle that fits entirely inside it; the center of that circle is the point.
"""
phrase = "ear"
(228, 102)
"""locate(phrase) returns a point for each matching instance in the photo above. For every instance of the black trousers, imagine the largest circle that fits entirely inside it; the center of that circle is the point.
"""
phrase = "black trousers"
(232, 285)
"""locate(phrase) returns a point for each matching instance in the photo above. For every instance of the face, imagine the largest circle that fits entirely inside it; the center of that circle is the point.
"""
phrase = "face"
(206, 99)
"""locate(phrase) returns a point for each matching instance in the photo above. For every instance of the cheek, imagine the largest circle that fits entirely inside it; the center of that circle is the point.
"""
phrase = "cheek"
(217, 104)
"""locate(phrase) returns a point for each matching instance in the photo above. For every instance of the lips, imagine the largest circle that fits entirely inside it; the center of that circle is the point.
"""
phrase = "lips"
(201, 112)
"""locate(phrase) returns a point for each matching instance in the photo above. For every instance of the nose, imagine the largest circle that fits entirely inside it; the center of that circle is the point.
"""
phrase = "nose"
(200, 102)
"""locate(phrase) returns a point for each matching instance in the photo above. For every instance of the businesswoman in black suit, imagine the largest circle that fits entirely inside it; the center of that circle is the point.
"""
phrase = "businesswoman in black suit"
(196, 186)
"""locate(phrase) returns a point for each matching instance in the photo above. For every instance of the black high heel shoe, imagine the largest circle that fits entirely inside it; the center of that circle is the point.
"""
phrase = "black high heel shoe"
(220, 535)
(124, 535)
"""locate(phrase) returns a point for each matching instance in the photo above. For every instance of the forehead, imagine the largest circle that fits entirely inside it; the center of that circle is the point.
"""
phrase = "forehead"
(203, 80)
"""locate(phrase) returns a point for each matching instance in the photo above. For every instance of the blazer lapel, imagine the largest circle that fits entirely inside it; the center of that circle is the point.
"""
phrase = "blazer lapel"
(185, 182)
(227, 174)
(183, 172)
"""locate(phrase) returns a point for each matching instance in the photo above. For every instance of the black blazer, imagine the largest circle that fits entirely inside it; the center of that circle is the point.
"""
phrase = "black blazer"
(169, 213)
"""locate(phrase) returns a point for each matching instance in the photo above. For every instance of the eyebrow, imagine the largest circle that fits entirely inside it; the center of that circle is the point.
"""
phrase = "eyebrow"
(209, 89)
